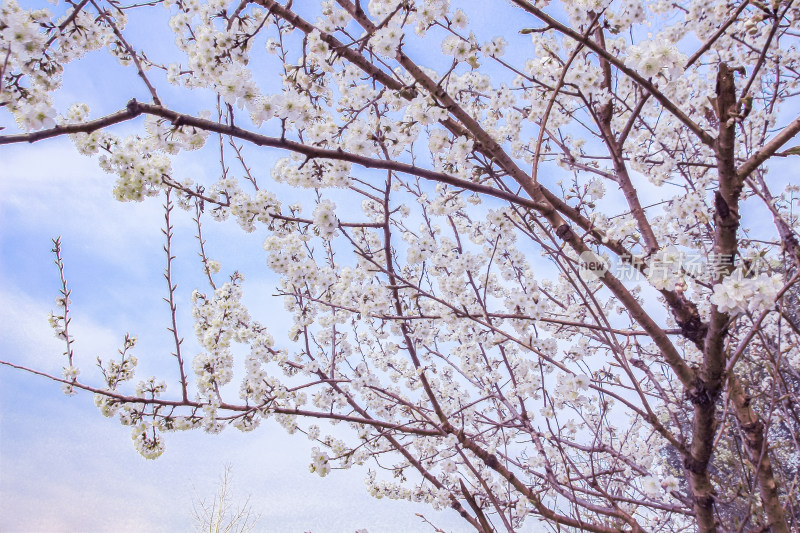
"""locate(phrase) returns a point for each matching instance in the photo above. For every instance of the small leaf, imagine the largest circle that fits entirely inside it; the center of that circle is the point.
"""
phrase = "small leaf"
(792, 151)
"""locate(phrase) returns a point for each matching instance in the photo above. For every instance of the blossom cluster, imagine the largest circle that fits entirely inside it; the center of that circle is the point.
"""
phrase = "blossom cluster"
(29, 75)
(738, 294)
(320, 463)
(218, 321)
(21, 44)
(325, 221)
(653, 57)
(312, 175)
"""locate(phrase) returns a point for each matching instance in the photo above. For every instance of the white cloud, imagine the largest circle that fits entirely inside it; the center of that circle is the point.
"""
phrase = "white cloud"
(28, 340)
(52, 190)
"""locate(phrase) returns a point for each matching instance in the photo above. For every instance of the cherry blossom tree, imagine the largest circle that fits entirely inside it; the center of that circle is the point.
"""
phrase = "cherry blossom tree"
(539, 278)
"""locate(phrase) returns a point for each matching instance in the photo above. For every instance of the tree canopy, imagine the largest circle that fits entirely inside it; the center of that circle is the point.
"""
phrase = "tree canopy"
(536, 266)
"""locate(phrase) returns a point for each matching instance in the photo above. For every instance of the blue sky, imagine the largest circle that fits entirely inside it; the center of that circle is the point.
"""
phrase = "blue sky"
(63, 467)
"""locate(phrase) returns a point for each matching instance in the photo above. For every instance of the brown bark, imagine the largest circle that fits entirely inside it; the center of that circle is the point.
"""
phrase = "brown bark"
(758, 454)
(711, 375)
